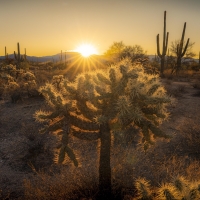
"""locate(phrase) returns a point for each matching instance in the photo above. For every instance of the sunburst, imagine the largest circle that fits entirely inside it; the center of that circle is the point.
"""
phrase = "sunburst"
(86, 50)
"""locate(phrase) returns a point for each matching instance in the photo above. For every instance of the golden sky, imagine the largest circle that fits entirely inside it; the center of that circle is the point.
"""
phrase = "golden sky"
(45, 27)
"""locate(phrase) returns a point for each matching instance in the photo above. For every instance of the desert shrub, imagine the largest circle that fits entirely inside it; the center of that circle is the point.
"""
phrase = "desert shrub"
(70, 184)
(37, 151)
(179, 188)
(188, 141)
(167, 159)
(177, 91)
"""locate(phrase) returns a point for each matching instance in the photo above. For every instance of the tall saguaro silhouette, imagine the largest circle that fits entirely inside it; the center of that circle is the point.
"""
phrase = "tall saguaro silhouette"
(180, 52)
(164, 50)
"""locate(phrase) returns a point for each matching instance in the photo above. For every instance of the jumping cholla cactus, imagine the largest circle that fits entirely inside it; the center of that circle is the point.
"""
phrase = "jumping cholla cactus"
(179, 189)
(144, 190)
(100, 102)
(17, 83)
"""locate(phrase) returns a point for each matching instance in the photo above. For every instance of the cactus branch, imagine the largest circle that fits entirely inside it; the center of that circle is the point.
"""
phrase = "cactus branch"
(180, 50)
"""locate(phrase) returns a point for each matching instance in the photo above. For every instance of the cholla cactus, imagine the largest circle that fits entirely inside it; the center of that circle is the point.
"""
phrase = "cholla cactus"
(167, 192)
(28, 84)
(180, 188)
(57, 81)
(143, 188)
(23, 85)
(99, 102)
(28, 76)
(9, 69)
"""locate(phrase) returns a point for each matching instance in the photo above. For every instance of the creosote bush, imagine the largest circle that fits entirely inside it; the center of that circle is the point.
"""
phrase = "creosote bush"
(100, 103)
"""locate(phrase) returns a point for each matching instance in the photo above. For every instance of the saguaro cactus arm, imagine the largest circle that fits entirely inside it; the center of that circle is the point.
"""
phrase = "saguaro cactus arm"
(158, 46)
(180, 50)
(183, 53)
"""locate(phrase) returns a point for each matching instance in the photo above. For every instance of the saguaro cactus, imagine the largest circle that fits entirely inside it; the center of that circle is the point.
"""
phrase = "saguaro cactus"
(164, 50)
(18, 57)
(6, 54)
(99, 103)
(180, 51)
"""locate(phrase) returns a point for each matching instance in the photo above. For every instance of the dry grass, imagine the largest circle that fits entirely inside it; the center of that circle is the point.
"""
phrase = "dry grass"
(160, 164)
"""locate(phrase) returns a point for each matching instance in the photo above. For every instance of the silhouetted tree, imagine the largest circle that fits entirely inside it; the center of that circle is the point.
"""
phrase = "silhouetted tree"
(119, 51)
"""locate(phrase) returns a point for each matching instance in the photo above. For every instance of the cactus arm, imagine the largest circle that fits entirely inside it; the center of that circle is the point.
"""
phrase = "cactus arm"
(164, 35)
(83, 124)
(166, 44)
(183, 35)
(25, 54)
(5, 53)
(90, 136)
(158, 46)
(15, 55)
(18, 49)
(185, 47)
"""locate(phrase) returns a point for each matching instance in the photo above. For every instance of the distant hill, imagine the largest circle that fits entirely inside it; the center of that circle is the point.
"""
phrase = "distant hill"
(69, 56)
(54, 58)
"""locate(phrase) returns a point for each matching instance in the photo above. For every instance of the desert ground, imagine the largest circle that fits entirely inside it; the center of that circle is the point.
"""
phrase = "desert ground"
(26, 156)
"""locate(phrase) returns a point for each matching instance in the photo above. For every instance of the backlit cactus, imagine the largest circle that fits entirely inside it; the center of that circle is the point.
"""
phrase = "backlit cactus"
(180, 188)
(100, 102)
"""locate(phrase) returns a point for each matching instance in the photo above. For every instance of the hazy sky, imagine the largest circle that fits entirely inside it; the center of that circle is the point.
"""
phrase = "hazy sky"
(45, 27)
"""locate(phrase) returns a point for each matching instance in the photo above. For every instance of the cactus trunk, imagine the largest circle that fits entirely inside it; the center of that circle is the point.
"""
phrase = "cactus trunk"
(18, 56)
(104, 164)
(164, 50)
(162, 66)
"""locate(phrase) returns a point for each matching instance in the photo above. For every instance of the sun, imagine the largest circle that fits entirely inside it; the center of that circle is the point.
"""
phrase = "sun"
(86, 50)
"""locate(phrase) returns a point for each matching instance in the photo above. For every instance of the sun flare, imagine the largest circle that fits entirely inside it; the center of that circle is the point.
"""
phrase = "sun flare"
(86, 50)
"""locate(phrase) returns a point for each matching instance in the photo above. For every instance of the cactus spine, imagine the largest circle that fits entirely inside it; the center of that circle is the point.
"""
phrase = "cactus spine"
(164, 50)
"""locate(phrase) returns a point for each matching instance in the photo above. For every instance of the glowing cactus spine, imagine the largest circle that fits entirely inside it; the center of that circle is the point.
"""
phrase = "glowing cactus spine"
(101, 102)
(164, 50)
